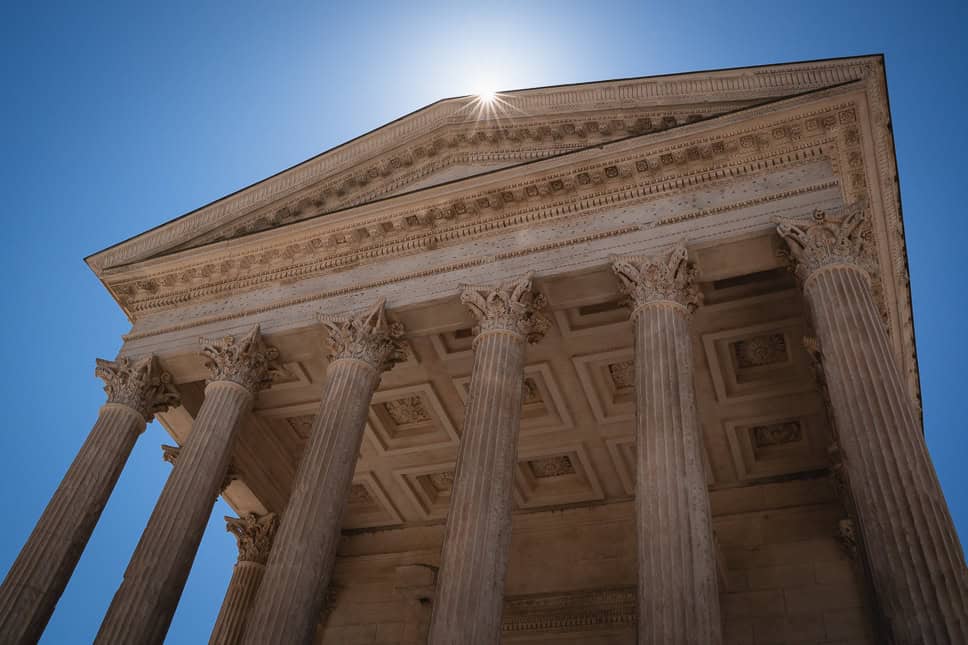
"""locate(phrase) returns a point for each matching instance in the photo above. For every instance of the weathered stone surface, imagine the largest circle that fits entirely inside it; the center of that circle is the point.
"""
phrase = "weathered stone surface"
(915, 557)
(678, 596)
(290, 600)
(475, 552)
(144, 604)
(136, 390)
(254, 535)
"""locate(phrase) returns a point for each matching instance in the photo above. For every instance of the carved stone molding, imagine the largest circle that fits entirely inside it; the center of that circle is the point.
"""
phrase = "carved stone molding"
(510, 307)
(247, 361)
(366, 336)
(630, 177)
(139, 384)
(254, 535)
(825, 241)
(288, 189)
(585, 609)
(670, 279)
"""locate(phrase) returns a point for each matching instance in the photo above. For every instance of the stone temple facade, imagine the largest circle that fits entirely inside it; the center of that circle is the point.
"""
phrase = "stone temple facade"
(618, 362)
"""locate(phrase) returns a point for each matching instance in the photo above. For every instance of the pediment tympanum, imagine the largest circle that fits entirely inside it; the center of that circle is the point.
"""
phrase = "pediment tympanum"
(457, 138)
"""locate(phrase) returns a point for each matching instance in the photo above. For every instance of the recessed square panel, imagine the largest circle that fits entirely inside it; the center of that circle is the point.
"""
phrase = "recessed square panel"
(292, 375)
(609, 383)
(758, 361)
(562, 476)
(595, 316)
(428, 487)
(408, 419)
(543, 406)
(456, 344)
(368, 505)
(776, 445)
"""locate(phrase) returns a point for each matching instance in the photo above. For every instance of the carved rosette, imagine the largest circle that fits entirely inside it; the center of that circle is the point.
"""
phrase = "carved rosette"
(511, 306)
(825, 241)
(138, 384)
(254, 534)
(247, 361)
(668, 279)
(366, 336)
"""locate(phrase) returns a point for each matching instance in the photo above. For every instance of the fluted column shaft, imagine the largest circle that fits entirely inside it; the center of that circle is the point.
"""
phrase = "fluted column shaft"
(290, 600)
(254, 535)
(678, 596)
(474, 558)
(144, 604)
(916, 560)
(470, 589)
(40, 573)
(678, 593)
(44, 566)
(246, 578)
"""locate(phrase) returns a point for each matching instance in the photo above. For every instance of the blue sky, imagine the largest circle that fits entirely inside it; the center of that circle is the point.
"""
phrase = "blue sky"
(117, 118)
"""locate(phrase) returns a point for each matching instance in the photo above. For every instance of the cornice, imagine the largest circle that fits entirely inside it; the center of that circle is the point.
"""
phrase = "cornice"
(655, 92)
(638, 171)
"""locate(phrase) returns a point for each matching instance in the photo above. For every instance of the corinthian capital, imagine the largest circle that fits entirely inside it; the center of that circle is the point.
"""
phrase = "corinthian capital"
(254, 535)
(366, 336)
(823, 241)
(669, 278)
(140, 384)
(247, 361)
(510, 306)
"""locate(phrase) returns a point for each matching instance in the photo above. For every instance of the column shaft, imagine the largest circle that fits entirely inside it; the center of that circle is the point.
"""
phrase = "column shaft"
(916, 560)
(290, 600)
(470, 591)
(143, 606)
(37, 578)
(678, 593)
(245, 582)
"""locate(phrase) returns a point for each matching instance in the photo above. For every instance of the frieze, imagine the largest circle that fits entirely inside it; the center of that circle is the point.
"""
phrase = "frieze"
(632, 177)
(729, 84)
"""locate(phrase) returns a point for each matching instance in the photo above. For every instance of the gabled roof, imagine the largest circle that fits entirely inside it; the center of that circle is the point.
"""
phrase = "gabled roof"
(460, 137)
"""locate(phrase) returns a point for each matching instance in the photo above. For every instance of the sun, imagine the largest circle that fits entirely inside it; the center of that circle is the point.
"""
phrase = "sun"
(487, 96)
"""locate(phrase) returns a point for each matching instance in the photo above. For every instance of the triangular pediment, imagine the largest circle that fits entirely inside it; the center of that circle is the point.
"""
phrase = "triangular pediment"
(458, 138)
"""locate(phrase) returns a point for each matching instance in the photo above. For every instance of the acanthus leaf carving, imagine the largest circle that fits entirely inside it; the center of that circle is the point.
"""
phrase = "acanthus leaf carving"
(825, 241)
(511, 306)
(247, 361)
(670, 278)
(139, 384)
(254, 535)
(366, 336)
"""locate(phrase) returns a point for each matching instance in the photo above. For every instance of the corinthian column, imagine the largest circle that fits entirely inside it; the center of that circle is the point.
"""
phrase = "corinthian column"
(254, 535)
(678, 594)
(144, 604)
(290, 600)
(136, 391)
(470, 588)
(916, 560)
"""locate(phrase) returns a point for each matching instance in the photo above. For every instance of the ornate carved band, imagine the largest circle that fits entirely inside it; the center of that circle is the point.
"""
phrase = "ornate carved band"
(247, 361)
(140, 385)
(254, 535)
(510, 307)
(366, 336)
(825, 241)
(666, 279)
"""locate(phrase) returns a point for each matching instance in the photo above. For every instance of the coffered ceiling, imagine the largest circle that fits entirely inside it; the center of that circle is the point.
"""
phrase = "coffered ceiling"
(761, 414)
